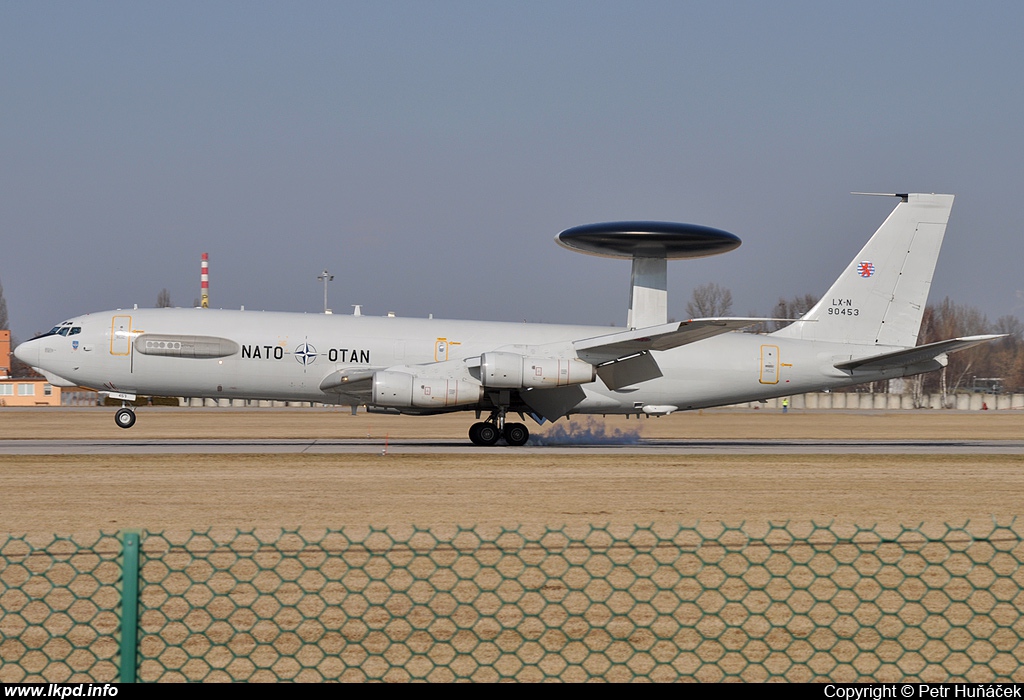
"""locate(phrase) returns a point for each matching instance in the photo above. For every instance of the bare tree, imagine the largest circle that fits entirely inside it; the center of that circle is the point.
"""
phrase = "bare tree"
(792, 308)
(4, 321)
(946, 320)
(163, 299)
(17, 368)
(709, 300)
(1012, 328)
(1007, 354)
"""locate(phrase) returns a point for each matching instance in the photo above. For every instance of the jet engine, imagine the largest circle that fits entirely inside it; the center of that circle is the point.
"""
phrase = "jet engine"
(401, 390)
(508, 370)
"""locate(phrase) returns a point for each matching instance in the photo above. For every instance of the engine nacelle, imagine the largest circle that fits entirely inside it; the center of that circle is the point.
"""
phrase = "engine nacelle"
(402, 390)
(507, 370)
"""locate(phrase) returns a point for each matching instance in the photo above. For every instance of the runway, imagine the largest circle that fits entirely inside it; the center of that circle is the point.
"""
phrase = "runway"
(639, 446)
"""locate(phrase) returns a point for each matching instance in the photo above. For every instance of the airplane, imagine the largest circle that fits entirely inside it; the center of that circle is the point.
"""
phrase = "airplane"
(863, 329)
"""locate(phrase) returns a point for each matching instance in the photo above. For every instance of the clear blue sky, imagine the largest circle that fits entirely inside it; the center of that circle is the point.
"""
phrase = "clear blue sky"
(426, 153)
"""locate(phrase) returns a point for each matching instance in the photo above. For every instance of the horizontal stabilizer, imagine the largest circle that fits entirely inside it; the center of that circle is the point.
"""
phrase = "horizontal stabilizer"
(606, 348)
(917, 355)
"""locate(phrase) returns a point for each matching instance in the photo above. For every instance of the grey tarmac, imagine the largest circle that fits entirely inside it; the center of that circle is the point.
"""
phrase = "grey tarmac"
(461, 447)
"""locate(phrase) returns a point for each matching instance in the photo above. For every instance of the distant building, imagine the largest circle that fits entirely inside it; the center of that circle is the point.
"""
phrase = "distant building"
(22, 391)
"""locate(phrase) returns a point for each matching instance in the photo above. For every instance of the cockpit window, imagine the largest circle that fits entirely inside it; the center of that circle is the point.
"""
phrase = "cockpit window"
(61, 329)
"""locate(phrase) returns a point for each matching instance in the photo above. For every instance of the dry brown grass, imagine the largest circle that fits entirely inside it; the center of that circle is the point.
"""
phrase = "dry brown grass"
(161, 423)
(74, 493)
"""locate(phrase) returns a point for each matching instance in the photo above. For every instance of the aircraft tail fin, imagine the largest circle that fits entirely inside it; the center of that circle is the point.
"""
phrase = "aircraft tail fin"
(880, 297)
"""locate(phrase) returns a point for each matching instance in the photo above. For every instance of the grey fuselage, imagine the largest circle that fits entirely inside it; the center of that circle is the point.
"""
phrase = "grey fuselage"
(287, 356)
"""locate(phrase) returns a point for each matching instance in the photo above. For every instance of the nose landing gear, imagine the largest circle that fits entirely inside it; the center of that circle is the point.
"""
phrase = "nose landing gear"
(125, 417)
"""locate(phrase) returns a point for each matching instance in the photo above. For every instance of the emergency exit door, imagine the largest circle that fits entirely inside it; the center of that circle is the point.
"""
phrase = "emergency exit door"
(769, 364)
(121, 335)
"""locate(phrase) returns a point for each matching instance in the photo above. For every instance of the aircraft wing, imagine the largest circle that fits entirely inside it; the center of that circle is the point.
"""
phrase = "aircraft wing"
(913, 356)
(615, 346)
(623, 358)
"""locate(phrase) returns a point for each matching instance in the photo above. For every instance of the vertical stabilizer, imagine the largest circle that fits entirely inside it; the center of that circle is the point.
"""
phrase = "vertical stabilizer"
(880, 297)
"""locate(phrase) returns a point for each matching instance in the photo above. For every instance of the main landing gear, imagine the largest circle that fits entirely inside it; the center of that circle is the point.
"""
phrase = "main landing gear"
(487, 433)
(125, 417)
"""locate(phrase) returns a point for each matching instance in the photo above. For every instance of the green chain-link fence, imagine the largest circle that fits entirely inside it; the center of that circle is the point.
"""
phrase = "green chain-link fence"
(798, 602)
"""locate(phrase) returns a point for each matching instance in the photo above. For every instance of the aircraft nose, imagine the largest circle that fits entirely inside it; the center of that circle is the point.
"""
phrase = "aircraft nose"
(28, 352)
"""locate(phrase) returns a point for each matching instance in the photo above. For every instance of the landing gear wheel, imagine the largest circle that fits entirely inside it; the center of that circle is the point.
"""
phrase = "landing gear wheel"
(483, 434)
(488, 434)
(516, 434)
(125, 418)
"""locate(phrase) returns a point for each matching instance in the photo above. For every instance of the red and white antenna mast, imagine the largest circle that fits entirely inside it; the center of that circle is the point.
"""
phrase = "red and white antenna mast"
(204, 282)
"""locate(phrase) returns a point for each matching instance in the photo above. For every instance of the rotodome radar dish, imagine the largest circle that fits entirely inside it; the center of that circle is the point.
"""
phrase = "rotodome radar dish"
(647, 239)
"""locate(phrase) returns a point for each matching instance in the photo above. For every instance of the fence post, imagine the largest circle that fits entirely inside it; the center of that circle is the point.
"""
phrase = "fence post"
(129, 604)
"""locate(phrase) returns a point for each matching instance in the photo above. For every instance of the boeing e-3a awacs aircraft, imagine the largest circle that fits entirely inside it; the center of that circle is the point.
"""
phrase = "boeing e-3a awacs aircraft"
(864, 329)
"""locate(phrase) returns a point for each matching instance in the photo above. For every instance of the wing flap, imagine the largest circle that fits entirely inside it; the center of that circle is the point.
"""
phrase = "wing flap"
(552, 404)
(632, 370)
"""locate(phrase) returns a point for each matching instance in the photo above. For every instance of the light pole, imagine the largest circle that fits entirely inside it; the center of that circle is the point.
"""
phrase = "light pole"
(326, 278)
